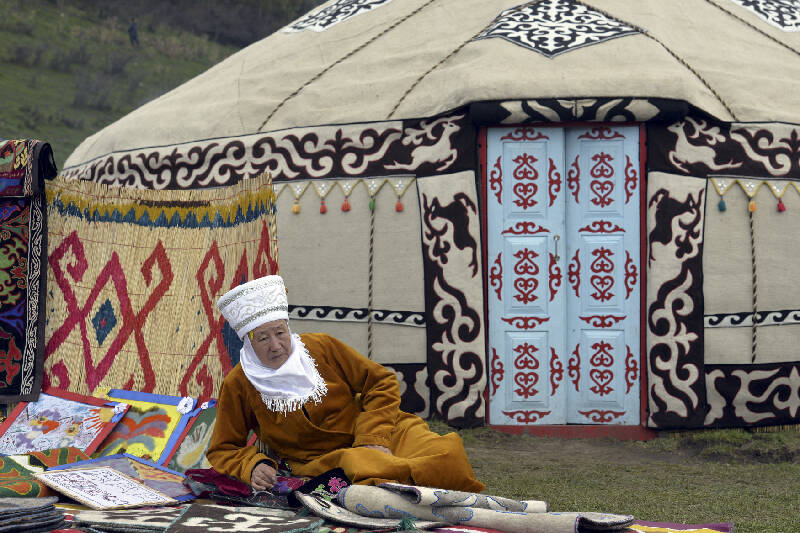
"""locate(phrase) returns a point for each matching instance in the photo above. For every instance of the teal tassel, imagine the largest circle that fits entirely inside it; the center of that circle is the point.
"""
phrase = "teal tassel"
(721, 205)
(406, 524)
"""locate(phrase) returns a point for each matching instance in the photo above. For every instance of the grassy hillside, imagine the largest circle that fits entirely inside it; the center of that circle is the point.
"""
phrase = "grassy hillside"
(66, 72)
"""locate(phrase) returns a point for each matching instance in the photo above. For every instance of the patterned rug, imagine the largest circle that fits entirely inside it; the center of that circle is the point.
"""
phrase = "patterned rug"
(199, 518)
(133, 277)
(17, 481)
(637, 527)
(671, 527)
(142, 520)
(24, 165)
(402, 502)
(30, 515)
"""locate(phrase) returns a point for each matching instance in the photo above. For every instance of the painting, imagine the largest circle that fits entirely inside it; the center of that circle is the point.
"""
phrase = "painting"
(59, 419)
(103, 488)
(157, 477)
(151, 426)
(192, 444)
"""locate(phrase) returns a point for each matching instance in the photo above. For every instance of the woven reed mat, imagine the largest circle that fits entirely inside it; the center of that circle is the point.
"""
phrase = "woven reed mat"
(133, 280)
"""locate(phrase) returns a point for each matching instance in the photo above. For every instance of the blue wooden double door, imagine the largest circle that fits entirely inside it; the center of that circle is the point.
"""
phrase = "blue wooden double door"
(563, 268)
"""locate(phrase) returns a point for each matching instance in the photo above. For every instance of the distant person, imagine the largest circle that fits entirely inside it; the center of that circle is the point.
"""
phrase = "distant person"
(133, 33)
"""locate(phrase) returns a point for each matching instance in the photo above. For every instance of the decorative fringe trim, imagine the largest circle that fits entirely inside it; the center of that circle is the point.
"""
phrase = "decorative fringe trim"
(245, 201)
(288, 404)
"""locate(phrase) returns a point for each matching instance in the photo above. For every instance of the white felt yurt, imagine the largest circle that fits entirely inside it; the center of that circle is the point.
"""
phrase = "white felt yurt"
(556, 214)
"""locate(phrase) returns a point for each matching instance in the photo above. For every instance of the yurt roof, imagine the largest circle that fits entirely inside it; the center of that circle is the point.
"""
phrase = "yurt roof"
(354, 61)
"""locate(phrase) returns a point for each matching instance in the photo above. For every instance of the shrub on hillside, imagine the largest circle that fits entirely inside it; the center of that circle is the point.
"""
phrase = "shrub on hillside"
(32, 116)
(65, 59)
(17, 21)
(116, 61)
(93, 90)
(28, 54)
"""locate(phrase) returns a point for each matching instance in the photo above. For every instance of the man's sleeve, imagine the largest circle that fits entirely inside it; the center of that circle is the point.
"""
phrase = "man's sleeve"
(380, 395)
(228, 451)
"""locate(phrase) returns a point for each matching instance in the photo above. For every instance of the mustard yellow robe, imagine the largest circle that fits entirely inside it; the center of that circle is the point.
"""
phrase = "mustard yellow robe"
(335, 428)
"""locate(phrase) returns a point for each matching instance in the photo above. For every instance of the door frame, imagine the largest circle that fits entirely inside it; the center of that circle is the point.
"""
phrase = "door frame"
(632, 432)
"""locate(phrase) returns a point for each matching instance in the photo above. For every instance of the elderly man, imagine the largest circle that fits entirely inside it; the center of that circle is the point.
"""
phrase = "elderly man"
(319, 405)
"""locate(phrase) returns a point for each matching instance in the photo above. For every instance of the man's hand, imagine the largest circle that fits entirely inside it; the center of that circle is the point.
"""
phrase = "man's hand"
(262, 477)
(383, 449)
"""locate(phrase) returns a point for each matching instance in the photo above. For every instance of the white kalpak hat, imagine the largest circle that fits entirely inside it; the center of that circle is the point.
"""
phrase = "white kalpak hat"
(254, 303)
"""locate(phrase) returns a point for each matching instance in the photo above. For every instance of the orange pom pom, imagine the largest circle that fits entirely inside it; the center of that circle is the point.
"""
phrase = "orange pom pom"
(322, 207)
(752, 206)
(345, 205)
(398, 206)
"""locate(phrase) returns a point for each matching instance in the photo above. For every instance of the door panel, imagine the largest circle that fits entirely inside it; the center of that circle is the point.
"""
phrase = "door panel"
(524, 214)
(563, 281)
(603, 245)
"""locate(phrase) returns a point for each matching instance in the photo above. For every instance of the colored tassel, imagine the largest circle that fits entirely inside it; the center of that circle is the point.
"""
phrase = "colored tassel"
(296, 208)
(781, 206)
(406, 524)
(322, 207)
(398, 206)
(345, 205)
(372, 203)
(721, 205)
(752, 206)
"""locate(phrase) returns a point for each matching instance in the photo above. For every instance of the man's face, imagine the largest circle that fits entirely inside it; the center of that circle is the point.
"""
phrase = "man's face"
(272, 343)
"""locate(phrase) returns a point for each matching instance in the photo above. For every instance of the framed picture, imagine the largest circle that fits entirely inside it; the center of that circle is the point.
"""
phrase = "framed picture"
(192, 444)
(102, 488)
(157, 477)
(59, 419)
(151, 427)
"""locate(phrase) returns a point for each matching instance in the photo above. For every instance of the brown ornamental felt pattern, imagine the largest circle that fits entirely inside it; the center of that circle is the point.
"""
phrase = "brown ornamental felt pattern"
(199, 518)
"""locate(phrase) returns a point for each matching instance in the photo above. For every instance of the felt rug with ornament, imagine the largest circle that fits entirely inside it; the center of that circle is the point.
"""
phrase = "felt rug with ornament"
(407, 502)
(201, 518)
(24, 166)
(141, 520)
(671, 527)
(637, 527)
(17, 481)
(29, 515)
(133, 279)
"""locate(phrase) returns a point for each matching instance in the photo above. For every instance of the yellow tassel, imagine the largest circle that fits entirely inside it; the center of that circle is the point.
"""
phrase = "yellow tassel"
(752, 206)
(296, 208)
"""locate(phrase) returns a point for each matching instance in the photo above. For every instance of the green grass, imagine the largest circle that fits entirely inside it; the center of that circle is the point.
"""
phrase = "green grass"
(66, 73)
(749, 478)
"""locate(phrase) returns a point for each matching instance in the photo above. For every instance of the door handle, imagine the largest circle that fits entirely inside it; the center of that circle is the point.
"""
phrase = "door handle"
(556, 238)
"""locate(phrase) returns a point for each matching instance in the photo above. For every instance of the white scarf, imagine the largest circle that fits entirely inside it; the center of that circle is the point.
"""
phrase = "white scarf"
(288, 387)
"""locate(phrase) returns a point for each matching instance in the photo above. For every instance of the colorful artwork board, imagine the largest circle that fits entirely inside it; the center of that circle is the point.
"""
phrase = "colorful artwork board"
(103, 488)
(56, 420)
(192, 444)
(155, 476)
(151, 427)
